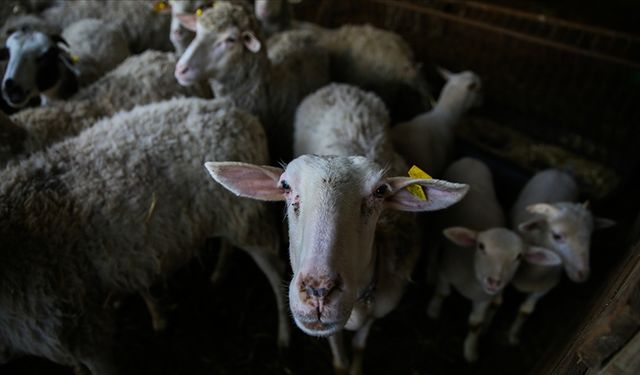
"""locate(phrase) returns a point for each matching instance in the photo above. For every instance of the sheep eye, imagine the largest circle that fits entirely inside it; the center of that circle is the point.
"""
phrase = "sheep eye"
(519, 257)
(472, 86)
(285, 185)
(557, 236)
(381, 191)
(481, 246)
(230, 40)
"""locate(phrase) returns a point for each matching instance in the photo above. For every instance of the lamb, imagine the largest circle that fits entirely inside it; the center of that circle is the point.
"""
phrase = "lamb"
(427, 140)
(143, 27)
(139, 80)
(228, 51)
(483, 255)
(116, 209)
(54, 67)
(350, 255)
(546, 214)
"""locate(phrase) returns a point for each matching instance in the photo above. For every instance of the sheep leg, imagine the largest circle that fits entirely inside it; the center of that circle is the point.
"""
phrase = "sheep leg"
(358, 344)
(222, 266)
(526, 308)
(158, 320)
(443, 289)
(476, 319)
(496, 302)
(340, 361)
(273, 268)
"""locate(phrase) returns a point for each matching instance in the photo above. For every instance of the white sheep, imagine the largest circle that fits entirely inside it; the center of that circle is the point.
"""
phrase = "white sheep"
(229, 51)
(116, 209)
(143, 27)
(351, 256)
(482, 255)
(139, 80)
(54, 67)
(546, 214)
(427, 140)
(363, 55)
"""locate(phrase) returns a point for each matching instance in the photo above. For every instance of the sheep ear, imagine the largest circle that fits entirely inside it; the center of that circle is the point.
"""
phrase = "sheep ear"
(446, 74)
(57, 39)
(248, 180)
(251, 41)
(461, 236)
(541, 256)
(188, 21)
(545, 209)
(4, 53)
(531, 225)
(601, 222)
(439, 194)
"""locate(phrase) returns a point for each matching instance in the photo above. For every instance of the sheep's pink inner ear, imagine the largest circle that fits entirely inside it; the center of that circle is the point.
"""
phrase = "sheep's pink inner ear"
(440, 194)
(461, 236)
(530, 225)
(542, 256)
(251, 41)
(248, 180)
(188, 21)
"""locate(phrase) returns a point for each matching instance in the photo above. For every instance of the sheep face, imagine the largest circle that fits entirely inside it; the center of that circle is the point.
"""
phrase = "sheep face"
(333, 207)
(34, 65)
(566, 229)
(220, 47)
(179, 35)
(462, 91)
(498, 253)
(269, 10)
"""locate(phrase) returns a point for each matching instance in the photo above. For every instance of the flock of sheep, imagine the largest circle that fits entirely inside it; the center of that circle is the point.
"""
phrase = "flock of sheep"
(105, 189)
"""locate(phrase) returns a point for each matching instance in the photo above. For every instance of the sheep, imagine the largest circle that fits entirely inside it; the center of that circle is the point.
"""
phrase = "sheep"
(363, 55)
(482, 255)
(228, 51)
(116, 209)
(179, 35)
(350, 257)
(143, 27)
(139, 80)
(427, 140)
(54, 67)
(546, 214)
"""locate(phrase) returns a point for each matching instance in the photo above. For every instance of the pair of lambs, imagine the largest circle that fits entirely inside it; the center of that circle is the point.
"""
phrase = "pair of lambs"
(114, 210)
(483, 256)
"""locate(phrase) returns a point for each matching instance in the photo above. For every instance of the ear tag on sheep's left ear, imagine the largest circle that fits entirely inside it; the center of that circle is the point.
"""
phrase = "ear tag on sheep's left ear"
(74, 59)
(417, 190)
(160, 6)
(198, 12)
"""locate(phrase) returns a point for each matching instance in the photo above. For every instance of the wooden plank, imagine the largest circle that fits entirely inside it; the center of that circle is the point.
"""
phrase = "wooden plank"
(627, 361)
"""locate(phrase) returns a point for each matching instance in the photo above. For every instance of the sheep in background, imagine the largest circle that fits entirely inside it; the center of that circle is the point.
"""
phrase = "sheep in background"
(179, 35)
(54, 67)
(481, 272)
(143, 27)
(139, 80)
(350, 257)
(363, 55)
(427, 140)
(116, 209)
(229, 51)
(546, 214)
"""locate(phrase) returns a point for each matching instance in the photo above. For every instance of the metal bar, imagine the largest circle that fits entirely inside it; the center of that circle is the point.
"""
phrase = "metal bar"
(514, 34)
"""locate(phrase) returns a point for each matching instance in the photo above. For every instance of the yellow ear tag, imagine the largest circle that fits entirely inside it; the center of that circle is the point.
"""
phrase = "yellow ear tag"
(74, 59)
(198, 12)
(160, 6)
(417, 190)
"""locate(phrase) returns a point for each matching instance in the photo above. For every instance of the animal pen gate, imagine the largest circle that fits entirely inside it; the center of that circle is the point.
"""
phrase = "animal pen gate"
(557, 93)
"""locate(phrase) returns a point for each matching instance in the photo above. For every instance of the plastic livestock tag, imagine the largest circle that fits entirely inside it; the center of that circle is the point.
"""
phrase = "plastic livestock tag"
(160, 6)
(417, 190)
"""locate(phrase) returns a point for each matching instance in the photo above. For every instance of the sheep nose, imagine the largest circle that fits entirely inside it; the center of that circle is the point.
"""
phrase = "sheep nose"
(181, 69)
(14, 93)
(494, 283)
(581, 275)
(316, 290)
